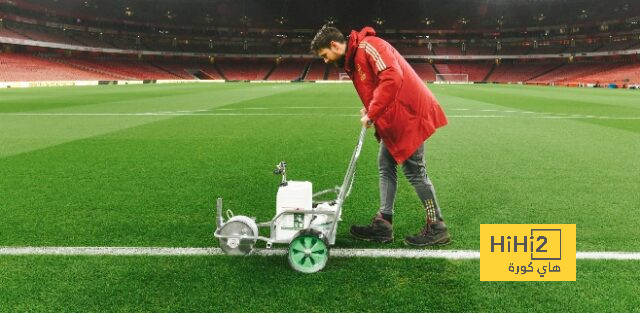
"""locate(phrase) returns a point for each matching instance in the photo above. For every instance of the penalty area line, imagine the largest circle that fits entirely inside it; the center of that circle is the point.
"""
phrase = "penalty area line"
(337, 252)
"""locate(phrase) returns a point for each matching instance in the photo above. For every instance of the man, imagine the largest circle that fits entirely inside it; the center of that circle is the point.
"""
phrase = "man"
(404, 113)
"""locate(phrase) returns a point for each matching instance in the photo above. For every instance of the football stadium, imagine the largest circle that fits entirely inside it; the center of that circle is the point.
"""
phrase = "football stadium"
(215, 155)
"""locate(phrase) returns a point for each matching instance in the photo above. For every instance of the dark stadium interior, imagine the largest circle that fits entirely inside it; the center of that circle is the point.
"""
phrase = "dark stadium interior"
(516, 41)
(348, 13)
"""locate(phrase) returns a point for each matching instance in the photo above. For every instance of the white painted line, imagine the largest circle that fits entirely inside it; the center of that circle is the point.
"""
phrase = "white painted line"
(478, 116)
(171, 114)
(108, 251)
(349, 108)
(295, 108)
(346, 253)
(208, 114)
(407, 253)
(583, 255)
(552, 117)
(567, 117)
(308, 114)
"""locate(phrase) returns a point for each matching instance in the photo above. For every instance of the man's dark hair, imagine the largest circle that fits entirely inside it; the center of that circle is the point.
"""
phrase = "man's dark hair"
(323, 38)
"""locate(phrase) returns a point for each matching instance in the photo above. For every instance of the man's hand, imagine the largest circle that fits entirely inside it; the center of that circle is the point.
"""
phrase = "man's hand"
(366, 122)
(363, 112)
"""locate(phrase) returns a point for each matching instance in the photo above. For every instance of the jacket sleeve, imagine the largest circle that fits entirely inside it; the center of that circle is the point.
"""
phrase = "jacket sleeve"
(383, 62)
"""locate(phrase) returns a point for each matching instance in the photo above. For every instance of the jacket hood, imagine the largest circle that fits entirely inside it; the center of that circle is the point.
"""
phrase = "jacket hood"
(352, 45)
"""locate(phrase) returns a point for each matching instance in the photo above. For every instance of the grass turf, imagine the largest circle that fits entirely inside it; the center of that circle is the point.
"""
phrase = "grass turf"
(88, 167)
(228, 284)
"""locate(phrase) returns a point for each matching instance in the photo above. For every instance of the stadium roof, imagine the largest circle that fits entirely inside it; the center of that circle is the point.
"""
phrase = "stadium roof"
(427, 14)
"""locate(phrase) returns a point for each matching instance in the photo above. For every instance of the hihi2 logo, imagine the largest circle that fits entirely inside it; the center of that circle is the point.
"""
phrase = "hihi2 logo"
(527, 252)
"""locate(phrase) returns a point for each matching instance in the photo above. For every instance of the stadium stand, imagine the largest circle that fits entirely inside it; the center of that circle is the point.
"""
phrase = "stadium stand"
(288, 69)
(425, 71)
(565, 73)
(5, 32)
(91, 40)
(624, 74)
(446, 50)
(186, 70)
(123, 69)
(514, 73)
(481, 51)
(237, 50)
(476, 71)
(619, 45)
(334, 72)
(548, 49)
(125, 43)
(585, 47)
(51, 36)
(635, 46)
(413, 50)
(22, 67)
(245, 69)
(316, 70)
(515, 50)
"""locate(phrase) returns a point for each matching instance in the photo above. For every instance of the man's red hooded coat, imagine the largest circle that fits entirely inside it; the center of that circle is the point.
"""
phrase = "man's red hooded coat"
(404, 111)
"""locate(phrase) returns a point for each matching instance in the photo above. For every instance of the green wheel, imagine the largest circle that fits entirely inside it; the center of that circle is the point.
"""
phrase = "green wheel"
(308, 253)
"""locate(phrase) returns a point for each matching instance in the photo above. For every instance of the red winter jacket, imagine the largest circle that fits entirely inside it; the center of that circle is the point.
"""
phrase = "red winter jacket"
(404, 111)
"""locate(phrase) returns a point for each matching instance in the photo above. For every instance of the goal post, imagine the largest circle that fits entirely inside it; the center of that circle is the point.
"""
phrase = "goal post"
(452, 79)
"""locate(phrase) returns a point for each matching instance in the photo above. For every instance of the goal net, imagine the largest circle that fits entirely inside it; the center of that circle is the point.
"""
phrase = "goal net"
(452, 79)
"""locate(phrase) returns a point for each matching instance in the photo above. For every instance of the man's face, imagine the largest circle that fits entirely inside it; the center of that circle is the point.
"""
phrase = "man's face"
(334, 54)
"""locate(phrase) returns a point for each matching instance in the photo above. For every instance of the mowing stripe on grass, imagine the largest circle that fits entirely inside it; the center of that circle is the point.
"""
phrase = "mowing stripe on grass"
(348, 253)
(20, 135)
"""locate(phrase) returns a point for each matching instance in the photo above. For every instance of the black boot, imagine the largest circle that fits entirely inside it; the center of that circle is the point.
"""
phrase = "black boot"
(431, 235)
(380, 230)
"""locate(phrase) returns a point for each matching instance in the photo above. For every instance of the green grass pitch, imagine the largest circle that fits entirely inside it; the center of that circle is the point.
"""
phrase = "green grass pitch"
(142, 166)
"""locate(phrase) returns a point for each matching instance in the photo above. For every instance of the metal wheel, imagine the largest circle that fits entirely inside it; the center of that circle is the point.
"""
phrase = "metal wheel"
(238, 226)
(308, 252)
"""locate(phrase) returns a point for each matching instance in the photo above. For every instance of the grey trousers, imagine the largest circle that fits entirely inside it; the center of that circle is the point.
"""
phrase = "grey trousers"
(415, 170)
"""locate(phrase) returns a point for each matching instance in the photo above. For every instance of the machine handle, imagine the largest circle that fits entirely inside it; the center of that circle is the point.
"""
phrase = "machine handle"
(219, 220)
